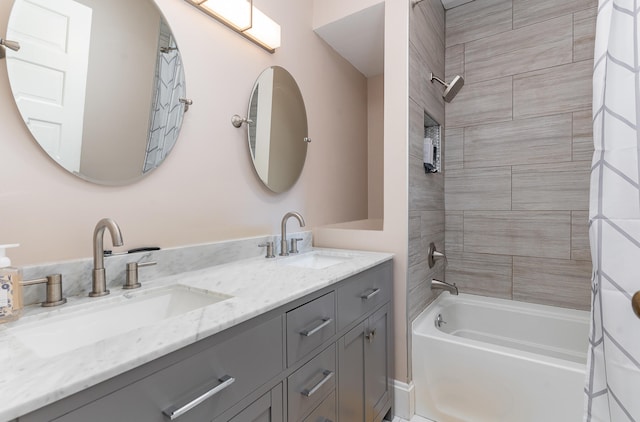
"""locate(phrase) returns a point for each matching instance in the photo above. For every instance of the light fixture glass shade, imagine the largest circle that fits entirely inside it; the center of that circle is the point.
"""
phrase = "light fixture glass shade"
(264, 30)
(235, 13)
(242, 17)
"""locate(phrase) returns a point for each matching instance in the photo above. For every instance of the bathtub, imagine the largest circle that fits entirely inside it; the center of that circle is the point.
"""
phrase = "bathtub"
(495, 360)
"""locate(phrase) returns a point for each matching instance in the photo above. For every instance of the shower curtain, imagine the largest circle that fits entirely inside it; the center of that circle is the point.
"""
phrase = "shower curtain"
(612, 391)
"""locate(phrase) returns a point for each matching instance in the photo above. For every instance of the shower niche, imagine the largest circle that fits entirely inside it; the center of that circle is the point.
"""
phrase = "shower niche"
(431, 152)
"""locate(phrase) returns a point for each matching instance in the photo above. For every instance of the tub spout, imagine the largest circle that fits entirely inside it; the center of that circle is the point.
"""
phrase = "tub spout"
(443, 285)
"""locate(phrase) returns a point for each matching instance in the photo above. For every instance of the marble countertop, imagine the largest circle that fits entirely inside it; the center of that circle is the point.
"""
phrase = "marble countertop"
(257, 285)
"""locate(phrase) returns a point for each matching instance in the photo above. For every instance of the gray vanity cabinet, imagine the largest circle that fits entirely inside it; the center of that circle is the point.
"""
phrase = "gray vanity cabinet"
(323, 357)
(363, 365)
(267, 408)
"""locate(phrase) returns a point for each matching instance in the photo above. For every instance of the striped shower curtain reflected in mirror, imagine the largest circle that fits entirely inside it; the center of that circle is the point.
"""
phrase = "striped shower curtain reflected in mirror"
(612, 391)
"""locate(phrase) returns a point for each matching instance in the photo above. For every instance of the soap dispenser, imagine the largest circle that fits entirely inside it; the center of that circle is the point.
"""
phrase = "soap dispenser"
(10, 288)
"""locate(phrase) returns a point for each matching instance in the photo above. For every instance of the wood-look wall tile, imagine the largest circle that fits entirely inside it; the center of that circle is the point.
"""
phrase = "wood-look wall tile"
(425, 93)
(559, 282)
(420, 296)
(580, 247)
(426, 31)
(582, 136)
(481, 274)
(478, 189)
(584, 31)
(432, 229)
(538, 140)
(426, 191)
(524, 233)
(453, 148)
(527, 12)
(416, 129)
(453, 62)
(550, 42)
(480, 103)
(454, 231)
(416, 254)
(555, 90)
(477, 19)
(556, 186)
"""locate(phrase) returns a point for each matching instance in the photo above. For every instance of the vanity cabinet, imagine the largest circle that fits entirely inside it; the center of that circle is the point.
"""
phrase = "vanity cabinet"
(323, 357)
(363, 365)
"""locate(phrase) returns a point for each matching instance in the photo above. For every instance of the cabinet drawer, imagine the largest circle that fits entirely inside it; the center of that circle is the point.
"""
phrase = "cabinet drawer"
(249, 358)
(310, 325)
(311, 383)
(326, 412)
(364, 293)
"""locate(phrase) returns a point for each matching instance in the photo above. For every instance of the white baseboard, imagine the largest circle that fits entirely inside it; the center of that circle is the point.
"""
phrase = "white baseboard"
(404, 400)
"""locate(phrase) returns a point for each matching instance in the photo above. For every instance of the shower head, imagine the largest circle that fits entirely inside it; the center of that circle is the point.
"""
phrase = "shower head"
(12, 45)
(452, 88)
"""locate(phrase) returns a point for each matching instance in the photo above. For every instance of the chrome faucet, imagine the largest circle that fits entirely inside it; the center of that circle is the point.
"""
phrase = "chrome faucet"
(283, 240)
(99, 284)
(443, 285)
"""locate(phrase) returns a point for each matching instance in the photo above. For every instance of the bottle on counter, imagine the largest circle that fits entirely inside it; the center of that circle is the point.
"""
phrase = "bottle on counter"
(10, 288)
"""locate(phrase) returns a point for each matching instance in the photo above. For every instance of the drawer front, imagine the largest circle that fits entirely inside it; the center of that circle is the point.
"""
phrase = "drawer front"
(309, 385)
(310, 325)
(326, 412)
(364, 293)
(251, 358)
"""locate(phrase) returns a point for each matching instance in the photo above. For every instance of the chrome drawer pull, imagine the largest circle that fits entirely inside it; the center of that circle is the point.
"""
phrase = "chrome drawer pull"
(308, 333)
(327, 376)
(175, 412)
(370, 295)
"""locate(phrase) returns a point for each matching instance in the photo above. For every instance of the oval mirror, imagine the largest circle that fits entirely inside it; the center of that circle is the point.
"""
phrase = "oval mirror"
(277, 129)
(98, 83)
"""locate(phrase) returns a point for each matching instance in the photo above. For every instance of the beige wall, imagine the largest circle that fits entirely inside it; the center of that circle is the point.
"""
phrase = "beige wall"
(392, 237)
(206, 190)
(519, 147)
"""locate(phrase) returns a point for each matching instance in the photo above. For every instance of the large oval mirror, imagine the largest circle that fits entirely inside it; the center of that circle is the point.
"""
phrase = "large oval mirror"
(98, 83)
(277, 129)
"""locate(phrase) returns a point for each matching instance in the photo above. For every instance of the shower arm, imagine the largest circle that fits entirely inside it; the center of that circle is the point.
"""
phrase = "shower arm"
(439, 80)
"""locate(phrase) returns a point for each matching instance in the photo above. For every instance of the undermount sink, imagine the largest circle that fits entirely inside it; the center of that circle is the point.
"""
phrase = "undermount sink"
(109, 317)
(316, 260)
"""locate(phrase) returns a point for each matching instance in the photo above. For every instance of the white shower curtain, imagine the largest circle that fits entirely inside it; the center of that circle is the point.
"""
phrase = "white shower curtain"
(612, 392)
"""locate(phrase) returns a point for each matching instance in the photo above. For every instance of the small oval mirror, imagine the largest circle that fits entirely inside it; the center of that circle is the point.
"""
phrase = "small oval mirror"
(277, 129)
(98, 83)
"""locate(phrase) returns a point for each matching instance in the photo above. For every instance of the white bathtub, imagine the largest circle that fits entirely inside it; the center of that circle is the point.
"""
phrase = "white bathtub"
(497, 360)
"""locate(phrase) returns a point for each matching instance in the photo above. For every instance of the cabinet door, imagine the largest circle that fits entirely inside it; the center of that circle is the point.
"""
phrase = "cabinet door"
(351, 369)
(376, 363)
(267, 408)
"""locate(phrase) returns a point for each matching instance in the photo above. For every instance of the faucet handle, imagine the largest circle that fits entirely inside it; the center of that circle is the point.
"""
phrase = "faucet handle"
(269, 246)
(294, 244)
(54, 289)
(132, 274)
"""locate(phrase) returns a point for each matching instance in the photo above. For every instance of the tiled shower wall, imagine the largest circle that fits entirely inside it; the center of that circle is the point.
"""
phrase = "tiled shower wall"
(426, 191)
(518, 149)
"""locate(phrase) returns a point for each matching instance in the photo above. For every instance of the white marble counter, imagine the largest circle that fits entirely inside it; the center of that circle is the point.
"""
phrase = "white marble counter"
(256, 285)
